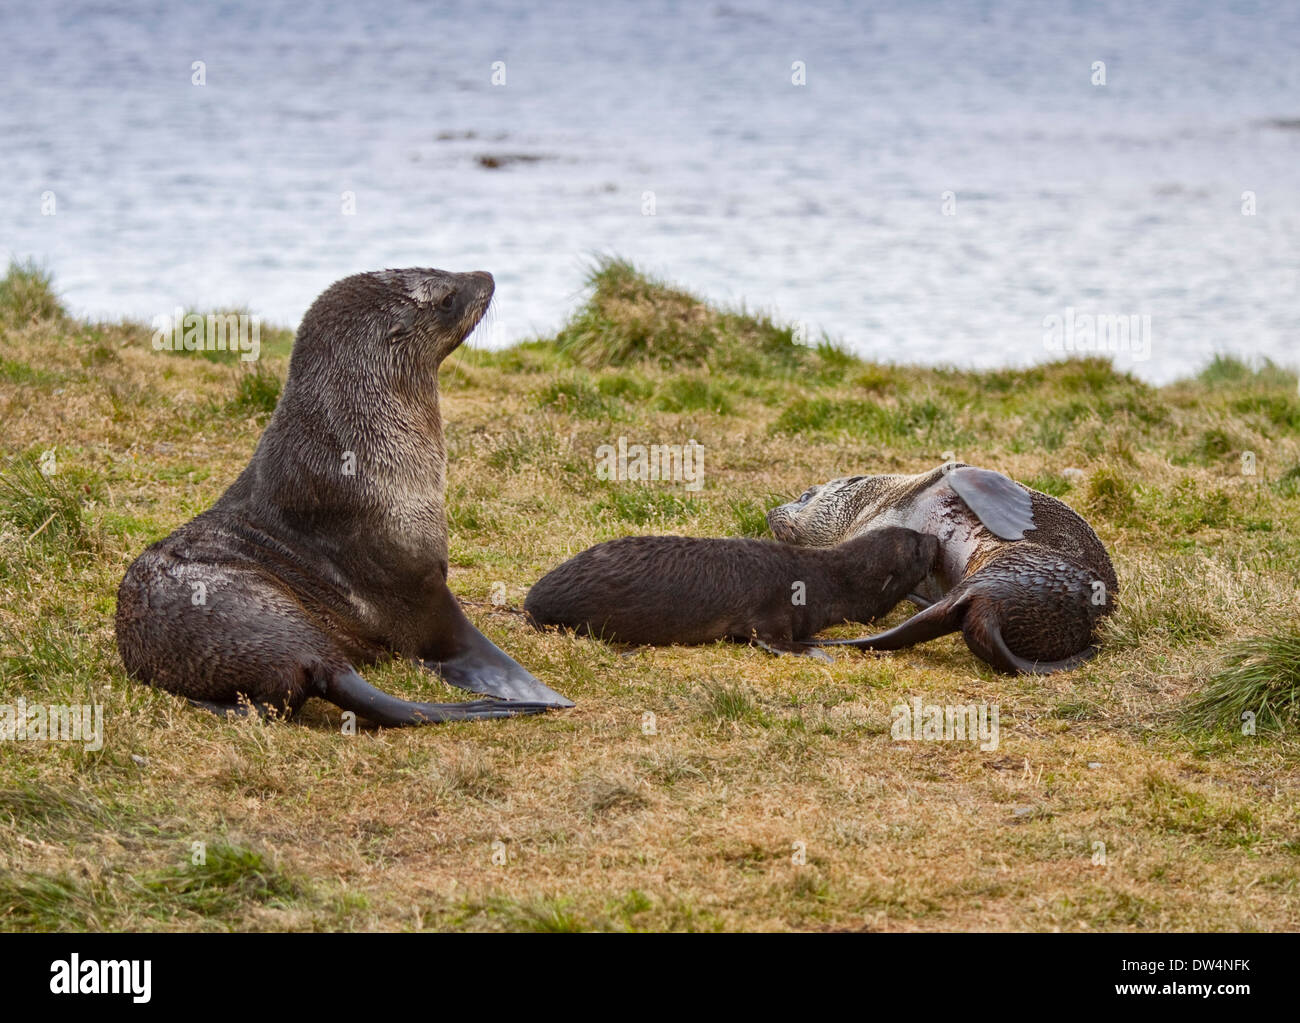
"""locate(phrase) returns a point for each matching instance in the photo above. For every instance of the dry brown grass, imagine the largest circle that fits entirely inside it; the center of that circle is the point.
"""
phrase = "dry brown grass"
(694, 827)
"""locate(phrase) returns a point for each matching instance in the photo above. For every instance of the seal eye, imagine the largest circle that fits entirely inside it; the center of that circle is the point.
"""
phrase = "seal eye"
(447, 300)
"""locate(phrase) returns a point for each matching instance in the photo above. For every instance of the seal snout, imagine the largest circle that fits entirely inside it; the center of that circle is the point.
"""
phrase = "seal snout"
(479, 287)
(778, 521)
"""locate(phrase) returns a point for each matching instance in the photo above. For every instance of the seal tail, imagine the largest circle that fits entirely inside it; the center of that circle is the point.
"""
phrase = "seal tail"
(983, 635)
(935, 621)
(350, 691)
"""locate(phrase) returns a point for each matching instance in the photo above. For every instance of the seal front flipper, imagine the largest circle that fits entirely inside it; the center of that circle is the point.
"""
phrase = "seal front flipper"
(1002, 505)
(935, 621)
(351, 692)
(466, 658)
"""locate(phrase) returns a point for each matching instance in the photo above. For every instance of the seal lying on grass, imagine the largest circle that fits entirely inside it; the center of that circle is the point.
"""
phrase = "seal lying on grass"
(662, 590)
(330, 549)
(1023, 577)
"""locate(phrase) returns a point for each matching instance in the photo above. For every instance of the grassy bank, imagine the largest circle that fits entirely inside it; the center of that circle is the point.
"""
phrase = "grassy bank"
(1138, 756)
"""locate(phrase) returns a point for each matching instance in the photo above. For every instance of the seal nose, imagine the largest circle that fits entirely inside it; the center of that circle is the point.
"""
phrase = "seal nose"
(776, 523)
(480, 285)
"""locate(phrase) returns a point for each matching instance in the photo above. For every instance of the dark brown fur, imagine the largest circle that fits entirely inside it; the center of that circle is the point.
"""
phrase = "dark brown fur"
(663, 590)
(330, 549)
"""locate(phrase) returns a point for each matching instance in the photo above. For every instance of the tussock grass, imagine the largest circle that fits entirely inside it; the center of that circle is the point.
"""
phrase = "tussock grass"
(674, 794)
(44, 508)
(257, 390)
(226, 877)
(631, 318)
(1260, 677)
(721, 702)
(27, 295)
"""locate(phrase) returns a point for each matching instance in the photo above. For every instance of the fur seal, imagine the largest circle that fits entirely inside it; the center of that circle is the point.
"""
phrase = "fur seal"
(662, 590)
(329, 551)
(1023, 577)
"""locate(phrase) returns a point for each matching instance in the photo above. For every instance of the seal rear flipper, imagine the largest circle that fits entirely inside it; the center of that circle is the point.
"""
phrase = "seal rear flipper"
(983, 634)
(797, 649)
(1003, 506)
(935, 621)
(235, 708)
(351, 692)
(469, 660)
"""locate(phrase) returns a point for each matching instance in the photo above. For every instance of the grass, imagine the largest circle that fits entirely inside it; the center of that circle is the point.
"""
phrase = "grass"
(1258, 686)
(676, 794)
(632, 319)
(27, 295)
(47, 505)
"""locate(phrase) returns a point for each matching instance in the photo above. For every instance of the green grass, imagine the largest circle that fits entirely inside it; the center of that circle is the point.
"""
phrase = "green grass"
(610, 824)
(214, 323)
(693, 394)
(641, 506)
(631, 318)
(1259, 682)
(257, 390)
(27, 295)
(577, 396)
(46, 508)
(219, 890)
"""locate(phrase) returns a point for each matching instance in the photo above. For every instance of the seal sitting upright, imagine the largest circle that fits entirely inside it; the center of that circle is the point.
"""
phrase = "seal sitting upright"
(1023, 577)
(330, 549)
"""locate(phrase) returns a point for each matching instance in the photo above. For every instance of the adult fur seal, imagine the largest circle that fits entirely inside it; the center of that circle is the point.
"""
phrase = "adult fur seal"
(1023, 577)
(663, 590)
(330, 549)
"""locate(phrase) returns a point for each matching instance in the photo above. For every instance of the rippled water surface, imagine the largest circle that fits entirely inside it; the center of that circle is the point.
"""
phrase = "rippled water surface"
(823, 202)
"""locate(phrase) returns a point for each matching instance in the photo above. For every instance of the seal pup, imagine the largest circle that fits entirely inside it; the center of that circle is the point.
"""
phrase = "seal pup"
(1023, 577)
(662, 590)
(329, 551)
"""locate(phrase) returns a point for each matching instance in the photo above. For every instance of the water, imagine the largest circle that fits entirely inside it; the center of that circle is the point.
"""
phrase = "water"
(821, 203)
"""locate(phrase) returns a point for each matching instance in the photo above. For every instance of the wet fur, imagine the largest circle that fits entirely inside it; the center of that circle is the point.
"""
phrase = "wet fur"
(662, 590)
(307, 571)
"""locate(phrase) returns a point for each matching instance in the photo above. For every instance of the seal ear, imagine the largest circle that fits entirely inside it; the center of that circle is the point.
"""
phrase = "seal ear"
(403, 320)
(1003, 506)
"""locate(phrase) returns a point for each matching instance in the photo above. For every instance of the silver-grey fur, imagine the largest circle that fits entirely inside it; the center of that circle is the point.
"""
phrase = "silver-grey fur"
(1028, 604)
